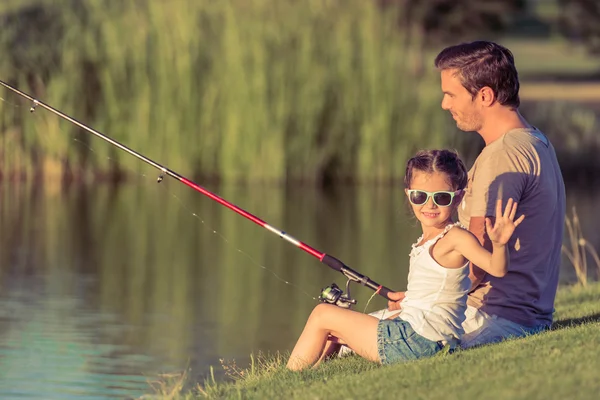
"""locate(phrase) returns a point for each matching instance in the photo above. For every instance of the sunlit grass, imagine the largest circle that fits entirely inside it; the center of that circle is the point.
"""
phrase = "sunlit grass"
(553, 364)
(556, 91)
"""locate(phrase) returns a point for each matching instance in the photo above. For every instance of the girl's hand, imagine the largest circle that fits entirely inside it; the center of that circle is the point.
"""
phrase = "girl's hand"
(504, 226)
(396, 299)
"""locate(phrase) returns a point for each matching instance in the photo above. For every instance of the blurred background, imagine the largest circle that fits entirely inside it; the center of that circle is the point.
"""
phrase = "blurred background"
(302, 112)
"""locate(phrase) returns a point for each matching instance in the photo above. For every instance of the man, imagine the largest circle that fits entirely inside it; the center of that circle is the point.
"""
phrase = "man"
(481, 90)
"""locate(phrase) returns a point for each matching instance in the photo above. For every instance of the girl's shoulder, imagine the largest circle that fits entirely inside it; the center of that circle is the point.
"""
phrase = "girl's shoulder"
(458, 232)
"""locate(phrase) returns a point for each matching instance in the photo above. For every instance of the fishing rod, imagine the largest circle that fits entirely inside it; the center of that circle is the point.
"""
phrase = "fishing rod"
(330, 294)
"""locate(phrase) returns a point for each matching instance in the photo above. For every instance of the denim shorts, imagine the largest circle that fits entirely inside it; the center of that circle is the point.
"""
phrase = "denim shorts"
(398, 342)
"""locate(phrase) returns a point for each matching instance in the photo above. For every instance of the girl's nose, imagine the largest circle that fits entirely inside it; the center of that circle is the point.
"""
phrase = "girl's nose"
(431, 203)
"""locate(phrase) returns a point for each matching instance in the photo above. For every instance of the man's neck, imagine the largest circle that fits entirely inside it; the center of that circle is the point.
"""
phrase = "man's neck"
(500, 122)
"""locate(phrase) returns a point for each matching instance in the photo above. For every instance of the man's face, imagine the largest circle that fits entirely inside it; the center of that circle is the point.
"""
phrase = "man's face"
(461, 104)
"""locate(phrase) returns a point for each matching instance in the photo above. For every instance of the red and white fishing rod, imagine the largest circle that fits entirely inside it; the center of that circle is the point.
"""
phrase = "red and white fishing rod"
(333, 294)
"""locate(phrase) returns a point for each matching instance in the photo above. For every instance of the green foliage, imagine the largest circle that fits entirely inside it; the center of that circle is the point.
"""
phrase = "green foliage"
(242, 90)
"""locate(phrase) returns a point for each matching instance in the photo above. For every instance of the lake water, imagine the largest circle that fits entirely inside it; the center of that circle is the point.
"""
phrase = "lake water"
(103, 288)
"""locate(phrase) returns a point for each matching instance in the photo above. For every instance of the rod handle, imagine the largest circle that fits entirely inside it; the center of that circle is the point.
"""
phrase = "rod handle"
(339, 266)
(385, 292)
(333, 263)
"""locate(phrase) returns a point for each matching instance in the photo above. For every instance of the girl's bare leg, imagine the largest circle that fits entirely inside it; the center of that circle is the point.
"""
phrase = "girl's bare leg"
(357, 330)
(332, 346)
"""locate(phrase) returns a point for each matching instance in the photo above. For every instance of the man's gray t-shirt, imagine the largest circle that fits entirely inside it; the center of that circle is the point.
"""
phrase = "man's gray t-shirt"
(521, 165)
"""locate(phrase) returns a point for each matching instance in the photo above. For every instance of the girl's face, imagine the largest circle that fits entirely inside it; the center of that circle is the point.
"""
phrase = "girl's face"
(431, 214)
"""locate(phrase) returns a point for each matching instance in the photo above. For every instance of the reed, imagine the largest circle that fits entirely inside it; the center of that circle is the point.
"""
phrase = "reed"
(241, 90)
(578, 249)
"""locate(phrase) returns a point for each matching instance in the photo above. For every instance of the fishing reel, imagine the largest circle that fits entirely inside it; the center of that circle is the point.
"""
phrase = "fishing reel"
(332, 294)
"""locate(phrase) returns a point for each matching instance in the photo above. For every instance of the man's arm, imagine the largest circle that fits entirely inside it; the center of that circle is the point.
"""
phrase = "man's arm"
(477, 228)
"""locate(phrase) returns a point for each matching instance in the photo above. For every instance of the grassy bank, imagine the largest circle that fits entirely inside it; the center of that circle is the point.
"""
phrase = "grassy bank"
(561, 363)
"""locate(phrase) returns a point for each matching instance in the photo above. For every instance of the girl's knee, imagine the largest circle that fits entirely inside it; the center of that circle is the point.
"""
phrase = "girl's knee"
(321, 312)
(322, 308)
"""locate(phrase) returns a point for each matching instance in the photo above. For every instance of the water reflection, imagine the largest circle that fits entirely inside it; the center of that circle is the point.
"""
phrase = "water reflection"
(103, 287)
(46, 353)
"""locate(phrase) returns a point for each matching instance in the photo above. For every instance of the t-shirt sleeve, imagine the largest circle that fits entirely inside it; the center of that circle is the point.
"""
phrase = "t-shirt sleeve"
(500, 175)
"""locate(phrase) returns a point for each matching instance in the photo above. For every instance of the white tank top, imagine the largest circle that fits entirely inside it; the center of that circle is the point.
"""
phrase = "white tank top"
(436, 297)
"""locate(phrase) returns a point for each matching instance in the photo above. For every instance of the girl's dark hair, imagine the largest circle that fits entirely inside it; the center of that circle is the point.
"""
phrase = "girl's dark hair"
(481, 64)
(444, 161)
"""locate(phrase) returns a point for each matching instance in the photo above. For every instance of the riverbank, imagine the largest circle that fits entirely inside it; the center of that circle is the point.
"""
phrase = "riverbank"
(560, 363)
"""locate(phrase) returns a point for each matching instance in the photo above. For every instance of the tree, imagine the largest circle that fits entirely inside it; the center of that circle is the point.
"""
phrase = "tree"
(429, 23)
(440, 21)
(580, 21)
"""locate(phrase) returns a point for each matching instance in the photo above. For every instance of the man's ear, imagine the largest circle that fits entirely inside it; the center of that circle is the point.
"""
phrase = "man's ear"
(486, 96)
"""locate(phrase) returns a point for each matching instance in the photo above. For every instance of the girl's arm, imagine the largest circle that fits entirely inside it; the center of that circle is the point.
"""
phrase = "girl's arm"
(495, 263)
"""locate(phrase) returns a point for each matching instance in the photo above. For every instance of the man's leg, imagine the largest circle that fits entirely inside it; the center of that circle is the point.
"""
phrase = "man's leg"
(481, 328)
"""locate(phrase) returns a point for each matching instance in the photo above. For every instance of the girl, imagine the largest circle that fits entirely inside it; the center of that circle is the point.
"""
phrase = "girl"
(438, 281)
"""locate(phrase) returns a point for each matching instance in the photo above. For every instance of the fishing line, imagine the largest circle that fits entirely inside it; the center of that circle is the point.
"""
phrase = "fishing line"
(199, 218)
(248, 256)
(10, 103)
(331, 294)
(369, 301)
(181, 204)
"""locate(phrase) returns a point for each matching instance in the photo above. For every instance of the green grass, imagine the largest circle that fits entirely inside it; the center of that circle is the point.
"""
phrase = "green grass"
(561, 363)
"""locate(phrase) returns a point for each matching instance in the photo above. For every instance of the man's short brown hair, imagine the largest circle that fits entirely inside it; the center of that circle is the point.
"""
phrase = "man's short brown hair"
(480, 64)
